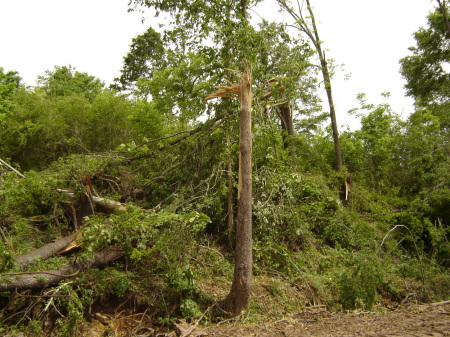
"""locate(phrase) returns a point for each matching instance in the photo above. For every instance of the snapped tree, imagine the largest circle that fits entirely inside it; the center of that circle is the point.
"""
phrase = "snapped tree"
(239, 297)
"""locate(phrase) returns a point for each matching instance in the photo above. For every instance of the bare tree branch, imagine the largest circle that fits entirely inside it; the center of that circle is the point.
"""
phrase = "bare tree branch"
(11, 168)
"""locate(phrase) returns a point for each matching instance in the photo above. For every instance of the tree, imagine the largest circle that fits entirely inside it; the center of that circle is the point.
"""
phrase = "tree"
(239, 297)
(428, 81)
(310, 29)
(64, 81)
(281, 69)
(379, 134)
(423, 151)
(9, 83)
(146, 55)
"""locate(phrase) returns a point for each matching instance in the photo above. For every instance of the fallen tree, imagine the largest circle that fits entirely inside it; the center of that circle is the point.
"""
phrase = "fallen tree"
(46, 251)
(108, 204)
(42, 279)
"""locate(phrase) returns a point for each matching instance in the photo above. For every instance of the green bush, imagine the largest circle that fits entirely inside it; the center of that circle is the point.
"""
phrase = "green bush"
(360, 282)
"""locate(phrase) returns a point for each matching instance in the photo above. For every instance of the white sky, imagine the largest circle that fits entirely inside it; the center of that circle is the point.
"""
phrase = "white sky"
(368, 36)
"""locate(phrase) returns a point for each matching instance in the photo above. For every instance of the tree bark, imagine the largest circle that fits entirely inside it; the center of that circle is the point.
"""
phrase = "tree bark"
(45, 251)
(239, 297)
(107, 204)
(287, 125)
(443, 8)
(230, 211)
(39, 280)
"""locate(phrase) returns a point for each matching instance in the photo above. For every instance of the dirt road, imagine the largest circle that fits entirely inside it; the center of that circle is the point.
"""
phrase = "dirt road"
(411, 320)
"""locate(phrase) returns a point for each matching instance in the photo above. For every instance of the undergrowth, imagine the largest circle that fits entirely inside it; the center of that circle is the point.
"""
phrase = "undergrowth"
(309, 250)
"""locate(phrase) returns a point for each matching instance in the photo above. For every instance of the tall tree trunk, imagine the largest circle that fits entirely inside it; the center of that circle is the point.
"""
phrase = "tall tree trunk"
(239, 297)
(334, 128)
(230, 211)
(443, 8)
(327, 81)
(313, 35)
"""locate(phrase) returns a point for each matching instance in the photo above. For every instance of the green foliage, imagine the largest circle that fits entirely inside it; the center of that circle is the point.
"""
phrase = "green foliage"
(154, 151)
(44, 128)
(371, 152)
(147, 122)
(66, 81)
(179, 88)
(9, 84)
(359, 283)
(73, 307)
(144, 49)
(6, 257)
(182, 279)
(427, 79)
(30, 196)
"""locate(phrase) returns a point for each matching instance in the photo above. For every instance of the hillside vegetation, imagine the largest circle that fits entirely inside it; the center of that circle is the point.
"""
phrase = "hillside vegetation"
(130, 192)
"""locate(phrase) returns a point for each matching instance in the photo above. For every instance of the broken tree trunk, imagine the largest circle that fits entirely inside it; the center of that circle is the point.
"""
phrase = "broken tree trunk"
(39, 280)
(239, 297)
(287, 125)
(46, 251)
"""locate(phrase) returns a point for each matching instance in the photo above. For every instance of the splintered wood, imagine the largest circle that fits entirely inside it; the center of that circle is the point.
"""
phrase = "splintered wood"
(233, 90)
(222, 91)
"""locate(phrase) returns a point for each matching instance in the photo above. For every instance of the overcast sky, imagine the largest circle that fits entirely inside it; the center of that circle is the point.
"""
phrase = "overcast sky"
(368, 36)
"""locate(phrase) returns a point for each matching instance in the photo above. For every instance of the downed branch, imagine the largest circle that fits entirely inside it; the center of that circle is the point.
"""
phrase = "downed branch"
(38, 280)
(108, 204)
(46, 251)
(166, 137)
(209, 125)
(2, 162)
(162, 175)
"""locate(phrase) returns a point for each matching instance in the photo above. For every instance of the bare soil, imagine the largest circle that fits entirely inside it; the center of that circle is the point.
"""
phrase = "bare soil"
(410, 320)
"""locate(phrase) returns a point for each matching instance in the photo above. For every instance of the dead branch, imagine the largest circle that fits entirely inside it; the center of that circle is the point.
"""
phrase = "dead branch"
(209, 125)
(2, 234)
(38, 280)
(11, 168)
(38, 296)
(161, 176)
(46, 251)
(162, 138)
(109, 204)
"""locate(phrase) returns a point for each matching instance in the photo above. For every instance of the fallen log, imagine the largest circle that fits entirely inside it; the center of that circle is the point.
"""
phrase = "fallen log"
(39, 280)
(46, 251)
(108, 204)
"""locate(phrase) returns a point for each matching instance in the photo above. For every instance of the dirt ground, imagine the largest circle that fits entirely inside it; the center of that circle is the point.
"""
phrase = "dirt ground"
(410, 320)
